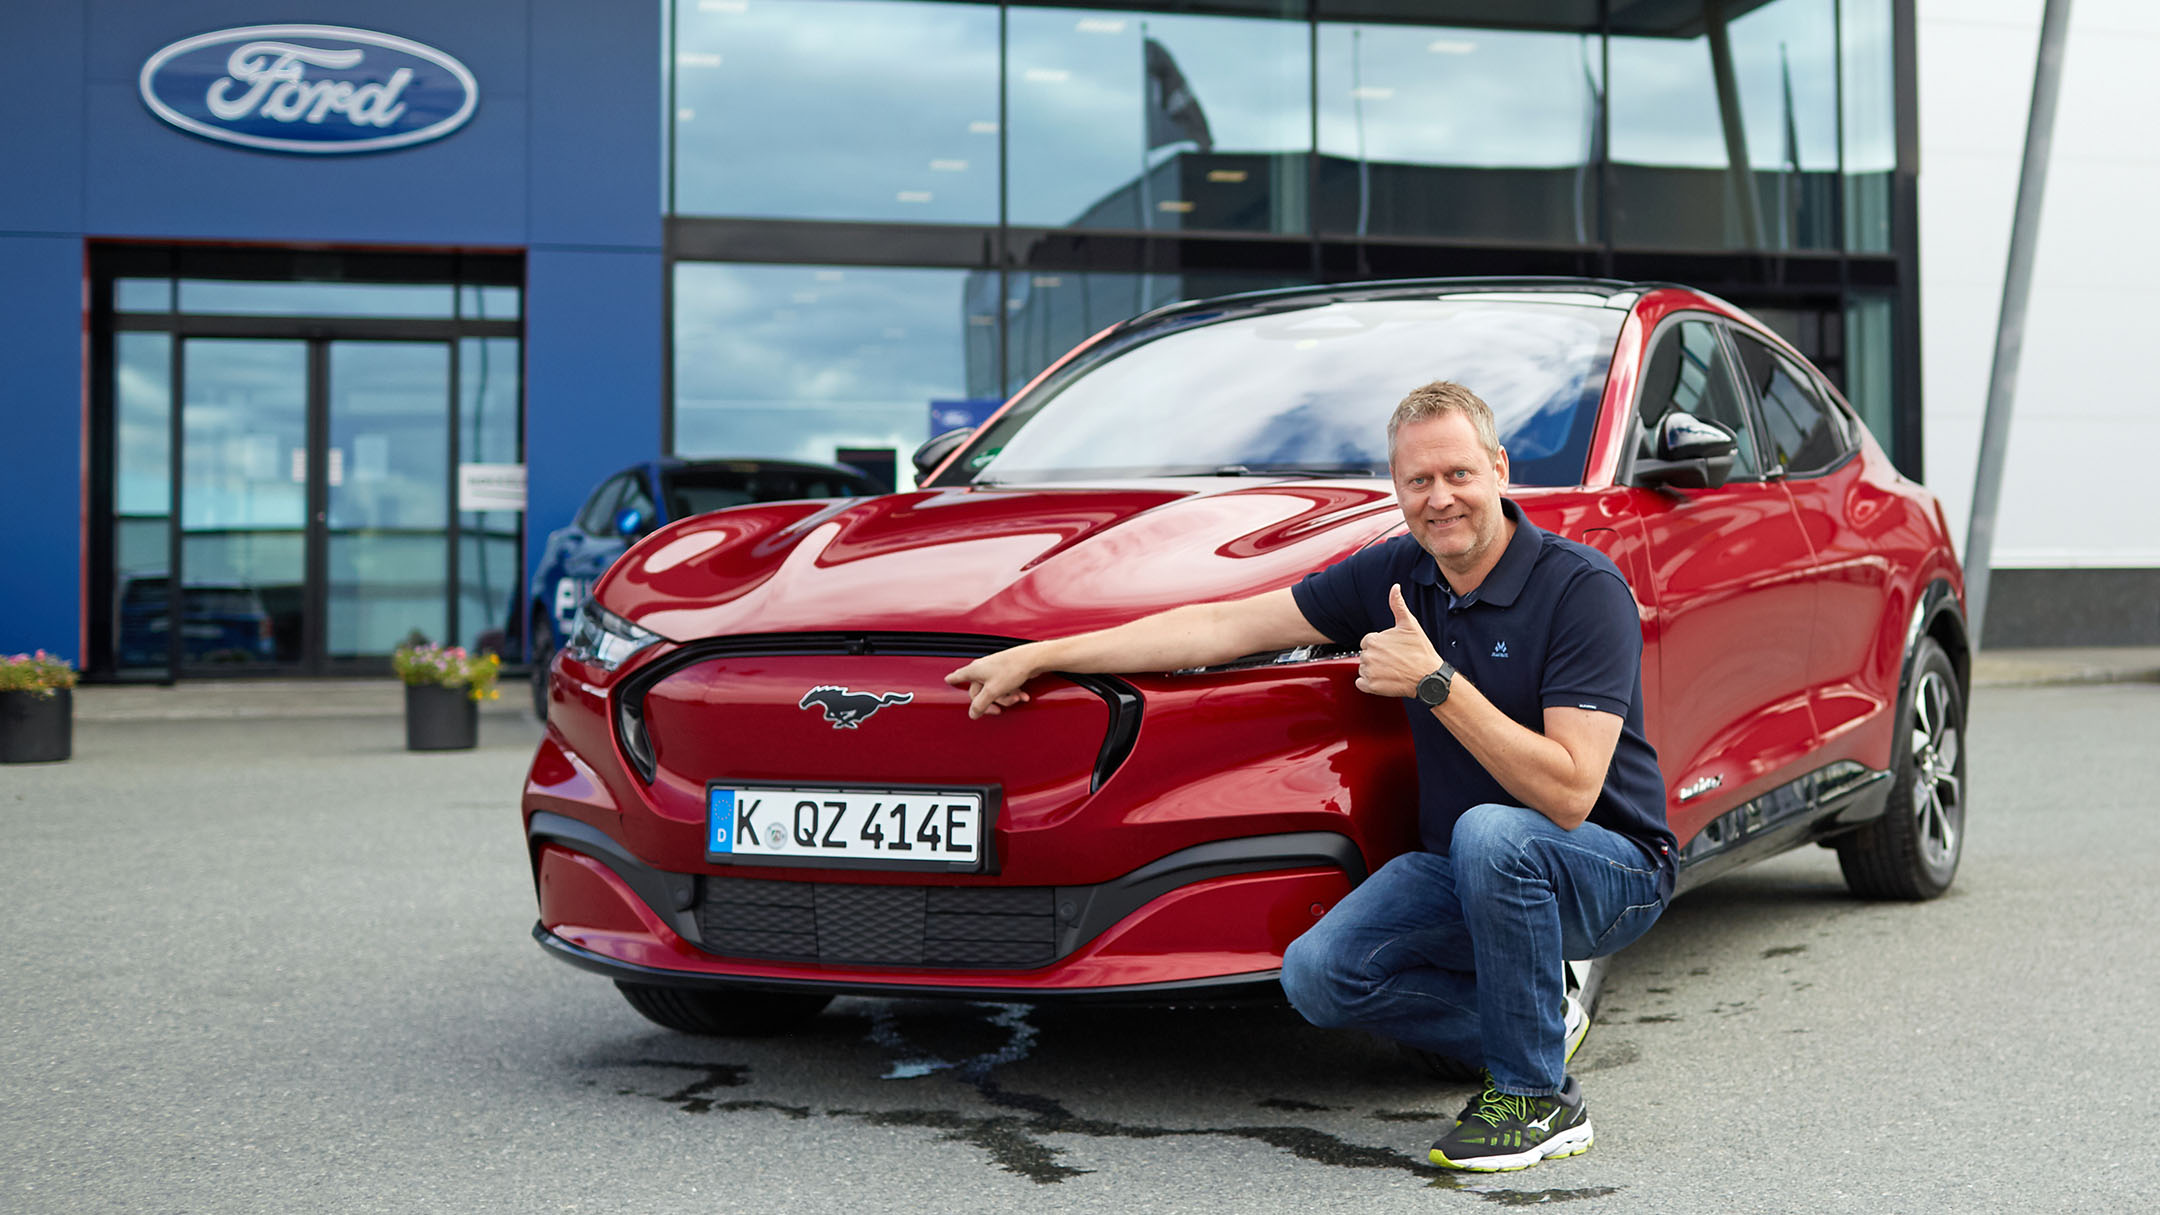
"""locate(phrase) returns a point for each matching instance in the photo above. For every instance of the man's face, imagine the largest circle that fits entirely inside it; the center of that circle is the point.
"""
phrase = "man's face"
(1449, 489)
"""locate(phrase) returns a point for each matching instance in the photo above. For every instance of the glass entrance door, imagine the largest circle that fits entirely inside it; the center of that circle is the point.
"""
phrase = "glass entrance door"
(314, 500)
(277, 459)
(387, 496)
(244, 487)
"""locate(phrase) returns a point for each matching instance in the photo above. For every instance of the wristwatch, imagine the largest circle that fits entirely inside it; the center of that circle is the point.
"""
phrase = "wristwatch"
(1433, 689)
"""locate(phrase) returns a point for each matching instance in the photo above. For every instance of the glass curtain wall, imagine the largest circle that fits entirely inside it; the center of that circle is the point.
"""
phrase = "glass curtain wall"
(1453, 131)
(926, 202)
(1725, 127)
(1157, 121)
(837, 109)
(1868, 96)
(798, 362)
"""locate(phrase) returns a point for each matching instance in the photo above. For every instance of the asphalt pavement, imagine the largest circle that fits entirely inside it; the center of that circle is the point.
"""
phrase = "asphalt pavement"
(259, 958)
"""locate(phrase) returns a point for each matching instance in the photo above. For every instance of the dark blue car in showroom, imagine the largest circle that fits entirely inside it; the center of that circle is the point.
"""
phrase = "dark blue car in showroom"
(635, 501)
(218, 624)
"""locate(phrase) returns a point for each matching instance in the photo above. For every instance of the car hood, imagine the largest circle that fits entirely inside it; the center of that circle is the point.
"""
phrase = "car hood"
(995, 562)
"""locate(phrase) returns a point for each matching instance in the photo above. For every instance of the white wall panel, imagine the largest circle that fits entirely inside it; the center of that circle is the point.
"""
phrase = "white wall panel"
(2075, 490)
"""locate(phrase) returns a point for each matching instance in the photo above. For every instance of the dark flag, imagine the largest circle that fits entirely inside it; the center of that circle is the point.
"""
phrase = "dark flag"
(1173, 113)
(1593, 159)
(1789, 171)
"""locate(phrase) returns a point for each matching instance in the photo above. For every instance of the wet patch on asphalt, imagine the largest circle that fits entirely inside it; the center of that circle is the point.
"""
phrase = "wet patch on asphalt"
(1408, 1115)
(1294, 1105)
(1015, 1137)
(691, 1097)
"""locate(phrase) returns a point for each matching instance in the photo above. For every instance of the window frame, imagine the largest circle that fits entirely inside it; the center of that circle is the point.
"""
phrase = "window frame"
(610, 492)
(640, 486)
(1810, 381)
(1638, 429)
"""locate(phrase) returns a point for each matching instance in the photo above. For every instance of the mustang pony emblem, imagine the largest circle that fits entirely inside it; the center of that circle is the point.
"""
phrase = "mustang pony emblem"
(847, 710)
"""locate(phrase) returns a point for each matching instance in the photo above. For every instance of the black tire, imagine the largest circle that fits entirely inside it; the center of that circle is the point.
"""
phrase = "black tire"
(733, 1014)
(543, 653)
(1912, 851)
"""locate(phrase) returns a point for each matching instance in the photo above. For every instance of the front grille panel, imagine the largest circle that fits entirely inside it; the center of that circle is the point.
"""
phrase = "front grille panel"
(1000, 928)
(759, 919)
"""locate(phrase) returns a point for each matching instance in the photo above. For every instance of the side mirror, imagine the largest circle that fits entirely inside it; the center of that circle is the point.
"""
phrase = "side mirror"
(1691, 454)
(933, 453)
(629, 521)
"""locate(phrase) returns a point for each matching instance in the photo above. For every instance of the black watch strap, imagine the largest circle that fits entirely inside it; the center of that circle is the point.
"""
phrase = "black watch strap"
(1433, 689)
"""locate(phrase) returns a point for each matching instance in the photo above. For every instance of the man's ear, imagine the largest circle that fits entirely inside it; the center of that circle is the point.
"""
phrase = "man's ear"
(1501, 465)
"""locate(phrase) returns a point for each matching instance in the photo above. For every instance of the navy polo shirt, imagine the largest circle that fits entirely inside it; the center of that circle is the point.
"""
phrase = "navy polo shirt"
(1553, 624)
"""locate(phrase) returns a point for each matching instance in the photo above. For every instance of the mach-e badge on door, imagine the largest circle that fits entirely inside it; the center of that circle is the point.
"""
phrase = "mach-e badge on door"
(311, 89)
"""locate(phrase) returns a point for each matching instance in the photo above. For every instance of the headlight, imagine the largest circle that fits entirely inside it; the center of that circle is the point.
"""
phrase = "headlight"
(1280, 658)
(605, 640)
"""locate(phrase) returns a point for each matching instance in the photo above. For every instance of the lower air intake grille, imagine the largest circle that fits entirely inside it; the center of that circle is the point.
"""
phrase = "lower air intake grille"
(993, 928)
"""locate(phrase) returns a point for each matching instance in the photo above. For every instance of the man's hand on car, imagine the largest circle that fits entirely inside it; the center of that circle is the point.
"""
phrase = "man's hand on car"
(993, 681)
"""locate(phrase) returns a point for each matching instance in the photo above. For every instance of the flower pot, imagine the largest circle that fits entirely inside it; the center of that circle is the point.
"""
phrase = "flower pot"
(35, 728)
(440, 719)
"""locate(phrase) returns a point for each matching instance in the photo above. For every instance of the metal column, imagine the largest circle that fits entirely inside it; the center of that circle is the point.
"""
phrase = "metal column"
(2010, 327)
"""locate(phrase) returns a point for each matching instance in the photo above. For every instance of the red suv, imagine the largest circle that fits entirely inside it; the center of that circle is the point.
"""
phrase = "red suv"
(757, 791)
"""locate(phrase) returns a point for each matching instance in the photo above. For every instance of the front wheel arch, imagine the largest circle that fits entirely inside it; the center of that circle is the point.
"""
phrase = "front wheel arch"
(1912, 850)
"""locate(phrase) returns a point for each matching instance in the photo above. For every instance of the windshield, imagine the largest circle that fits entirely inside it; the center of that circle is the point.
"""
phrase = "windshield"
(693, 491)
(1309, 391)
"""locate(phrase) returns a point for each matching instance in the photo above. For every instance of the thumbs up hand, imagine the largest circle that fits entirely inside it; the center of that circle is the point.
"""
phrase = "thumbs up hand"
(1391, 663)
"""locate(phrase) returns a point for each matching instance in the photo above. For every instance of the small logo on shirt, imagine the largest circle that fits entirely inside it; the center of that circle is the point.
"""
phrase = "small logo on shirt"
(1499, 649)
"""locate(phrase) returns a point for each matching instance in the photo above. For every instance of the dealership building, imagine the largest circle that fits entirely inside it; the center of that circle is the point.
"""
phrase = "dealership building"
(328, 312)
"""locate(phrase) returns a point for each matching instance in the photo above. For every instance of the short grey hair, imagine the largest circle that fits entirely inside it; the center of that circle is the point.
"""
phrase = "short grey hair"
(1443, 397)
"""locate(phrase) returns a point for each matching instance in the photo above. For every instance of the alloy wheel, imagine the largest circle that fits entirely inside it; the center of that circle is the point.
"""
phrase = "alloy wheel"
(1938, 802)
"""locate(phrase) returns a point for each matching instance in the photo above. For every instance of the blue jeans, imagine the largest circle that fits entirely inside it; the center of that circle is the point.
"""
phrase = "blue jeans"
(1462, 954)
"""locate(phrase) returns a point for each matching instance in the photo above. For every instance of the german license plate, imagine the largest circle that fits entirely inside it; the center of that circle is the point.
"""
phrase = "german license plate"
(878, 828)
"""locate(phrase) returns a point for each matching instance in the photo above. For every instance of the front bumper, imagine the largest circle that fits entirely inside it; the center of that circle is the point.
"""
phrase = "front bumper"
(1207, 922)
(1262, 985)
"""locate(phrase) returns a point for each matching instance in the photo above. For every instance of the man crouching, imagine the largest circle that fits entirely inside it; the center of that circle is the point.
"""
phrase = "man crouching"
(1518, 656)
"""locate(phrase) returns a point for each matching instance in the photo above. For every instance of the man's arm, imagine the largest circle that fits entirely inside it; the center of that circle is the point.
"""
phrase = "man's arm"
(1558, 773)
(1196, 635)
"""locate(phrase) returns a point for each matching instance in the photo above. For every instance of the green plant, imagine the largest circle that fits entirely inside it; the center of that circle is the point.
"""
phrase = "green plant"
(41, 673)
(424, 664)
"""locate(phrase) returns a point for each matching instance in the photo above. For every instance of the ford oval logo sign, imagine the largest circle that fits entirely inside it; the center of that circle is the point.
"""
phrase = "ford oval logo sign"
(309, 88)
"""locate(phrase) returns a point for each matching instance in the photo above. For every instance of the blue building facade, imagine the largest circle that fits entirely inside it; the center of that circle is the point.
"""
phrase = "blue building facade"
(266, 407)
(553, 183)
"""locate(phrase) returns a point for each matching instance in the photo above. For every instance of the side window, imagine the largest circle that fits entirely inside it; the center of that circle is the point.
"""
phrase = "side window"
(1804, 431)
(597, 516)
(637, 497)
(1688, 372)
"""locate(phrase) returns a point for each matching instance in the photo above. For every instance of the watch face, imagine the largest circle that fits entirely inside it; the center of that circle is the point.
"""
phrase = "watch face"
(1433, 689)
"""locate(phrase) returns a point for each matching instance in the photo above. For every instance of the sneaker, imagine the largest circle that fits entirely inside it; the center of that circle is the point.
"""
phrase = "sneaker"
(1577, 1021)
(1501, 1132)
(1485, 1089)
